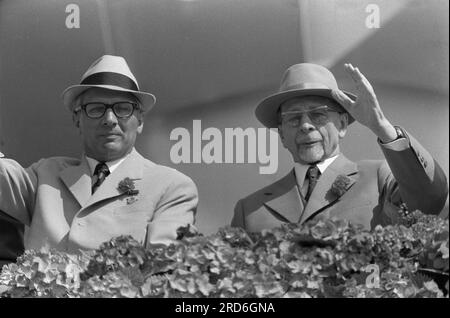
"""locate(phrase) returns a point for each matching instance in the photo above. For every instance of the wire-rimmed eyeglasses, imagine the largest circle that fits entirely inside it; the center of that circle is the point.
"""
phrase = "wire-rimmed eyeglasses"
(318, 116)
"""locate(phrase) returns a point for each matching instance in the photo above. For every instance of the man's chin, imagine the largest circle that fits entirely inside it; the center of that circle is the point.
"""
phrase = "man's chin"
(311, 158)
(111, 151)
(110, 147)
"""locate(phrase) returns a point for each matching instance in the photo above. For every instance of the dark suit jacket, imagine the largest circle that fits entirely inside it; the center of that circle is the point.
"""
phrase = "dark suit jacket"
(11, 239)
(375, 191)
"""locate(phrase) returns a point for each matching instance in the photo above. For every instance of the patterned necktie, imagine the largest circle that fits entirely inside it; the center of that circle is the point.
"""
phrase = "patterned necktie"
(101, 171)
(312, 174)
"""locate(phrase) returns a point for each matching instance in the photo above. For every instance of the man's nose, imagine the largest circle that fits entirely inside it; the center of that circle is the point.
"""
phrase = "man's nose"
(109, 119)
(306, 125)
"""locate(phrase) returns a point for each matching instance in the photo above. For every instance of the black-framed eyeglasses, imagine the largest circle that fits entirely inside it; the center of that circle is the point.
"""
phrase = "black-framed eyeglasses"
(120, 109)
(318, 116)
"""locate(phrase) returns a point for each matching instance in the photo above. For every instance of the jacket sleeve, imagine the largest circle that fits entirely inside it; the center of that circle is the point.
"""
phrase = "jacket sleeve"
(412, 176)
(177, 208)
(17, 190)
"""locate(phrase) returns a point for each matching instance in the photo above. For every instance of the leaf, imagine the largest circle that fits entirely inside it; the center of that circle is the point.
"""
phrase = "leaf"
(419, 279)
(296, 295)
(439, 263)
(312, 284)
(3, 289)
(444, 249)
(300, 266)
(268, 289)
(128, 292)
(178, 284)
(204, 286)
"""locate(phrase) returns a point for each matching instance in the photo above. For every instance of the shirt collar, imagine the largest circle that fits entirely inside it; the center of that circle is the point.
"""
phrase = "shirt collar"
(112, 165)
(301, 169)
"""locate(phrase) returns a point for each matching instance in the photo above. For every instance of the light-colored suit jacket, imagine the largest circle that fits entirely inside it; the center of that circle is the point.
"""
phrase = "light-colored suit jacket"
(53, 197)
(376, 189)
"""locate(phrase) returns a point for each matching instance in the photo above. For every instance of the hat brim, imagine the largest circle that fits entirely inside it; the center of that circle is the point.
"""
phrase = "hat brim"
(266, 110)
(147, 100)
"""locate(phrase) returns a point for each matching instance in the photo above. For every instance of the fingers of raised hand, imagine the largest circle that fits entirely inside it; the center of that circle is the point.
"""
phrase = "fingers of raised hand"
(355, 73)
(352, 71)
(361, 81)
(364, 80)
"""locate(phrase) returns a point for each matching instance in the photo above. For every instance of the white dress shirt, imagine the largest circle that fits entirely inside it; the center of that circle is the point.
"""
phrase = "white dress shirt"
(301, 169)
(112, 165)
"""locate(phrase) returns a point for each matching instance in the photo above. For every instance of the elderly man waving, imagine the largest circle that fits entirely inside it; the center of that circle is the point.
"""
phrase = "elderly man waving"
(111, 189)
(312, 116)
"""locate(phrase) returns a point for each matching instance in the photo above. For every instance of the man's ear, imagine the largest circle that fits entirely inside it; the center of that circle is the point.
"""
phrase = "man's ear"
(76, 119)
(343, 123)
(140, 119)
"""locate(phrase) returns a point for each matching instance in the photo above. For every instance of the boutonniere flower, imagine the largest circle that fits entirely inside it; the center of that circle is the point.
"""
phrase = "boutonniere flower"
(341, 185)
(126, 186)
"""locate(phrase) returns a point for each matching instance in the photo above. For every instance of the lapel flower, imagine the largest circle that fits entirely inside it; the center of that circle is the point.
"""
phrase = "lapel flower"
(341, 185)
(126, 186)
(186, 231)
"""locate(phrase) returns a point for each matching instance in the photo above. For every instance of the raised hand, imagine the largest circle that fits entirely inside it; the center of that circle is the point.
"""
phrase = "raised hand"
(366, 109)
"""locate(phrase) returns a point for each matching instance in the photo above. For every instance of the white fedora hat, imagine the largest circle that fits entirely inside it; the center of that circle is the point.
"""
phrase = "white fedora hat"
(109, 72)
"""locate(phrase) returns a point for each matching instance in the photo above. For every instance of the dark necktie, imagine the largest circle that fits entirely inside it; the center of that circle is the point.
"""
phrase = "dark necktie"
(101, 171)
(312, 174)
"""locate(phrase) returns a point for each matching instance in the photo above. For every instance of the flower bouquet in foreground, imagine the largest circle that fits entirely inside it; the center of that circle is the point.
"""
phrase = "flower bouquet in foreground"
(331, 258)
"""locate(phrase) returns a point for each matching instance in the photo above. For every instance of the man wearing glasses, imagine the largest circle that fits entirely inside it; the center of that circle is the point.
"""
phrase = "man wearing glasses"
(112, 190)
(312, 116)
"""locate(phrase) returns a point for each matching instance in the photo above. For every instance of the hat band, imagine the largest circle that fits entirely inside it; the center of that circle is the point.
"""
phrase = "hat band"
(110, 78)
(305, 86)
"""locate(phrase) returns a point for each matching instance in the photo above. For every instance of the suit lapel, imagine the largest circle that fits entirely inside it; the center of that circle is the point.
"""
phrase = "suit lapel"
(284, 199)
(321, 197)
(78, 180)
(131, 167)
